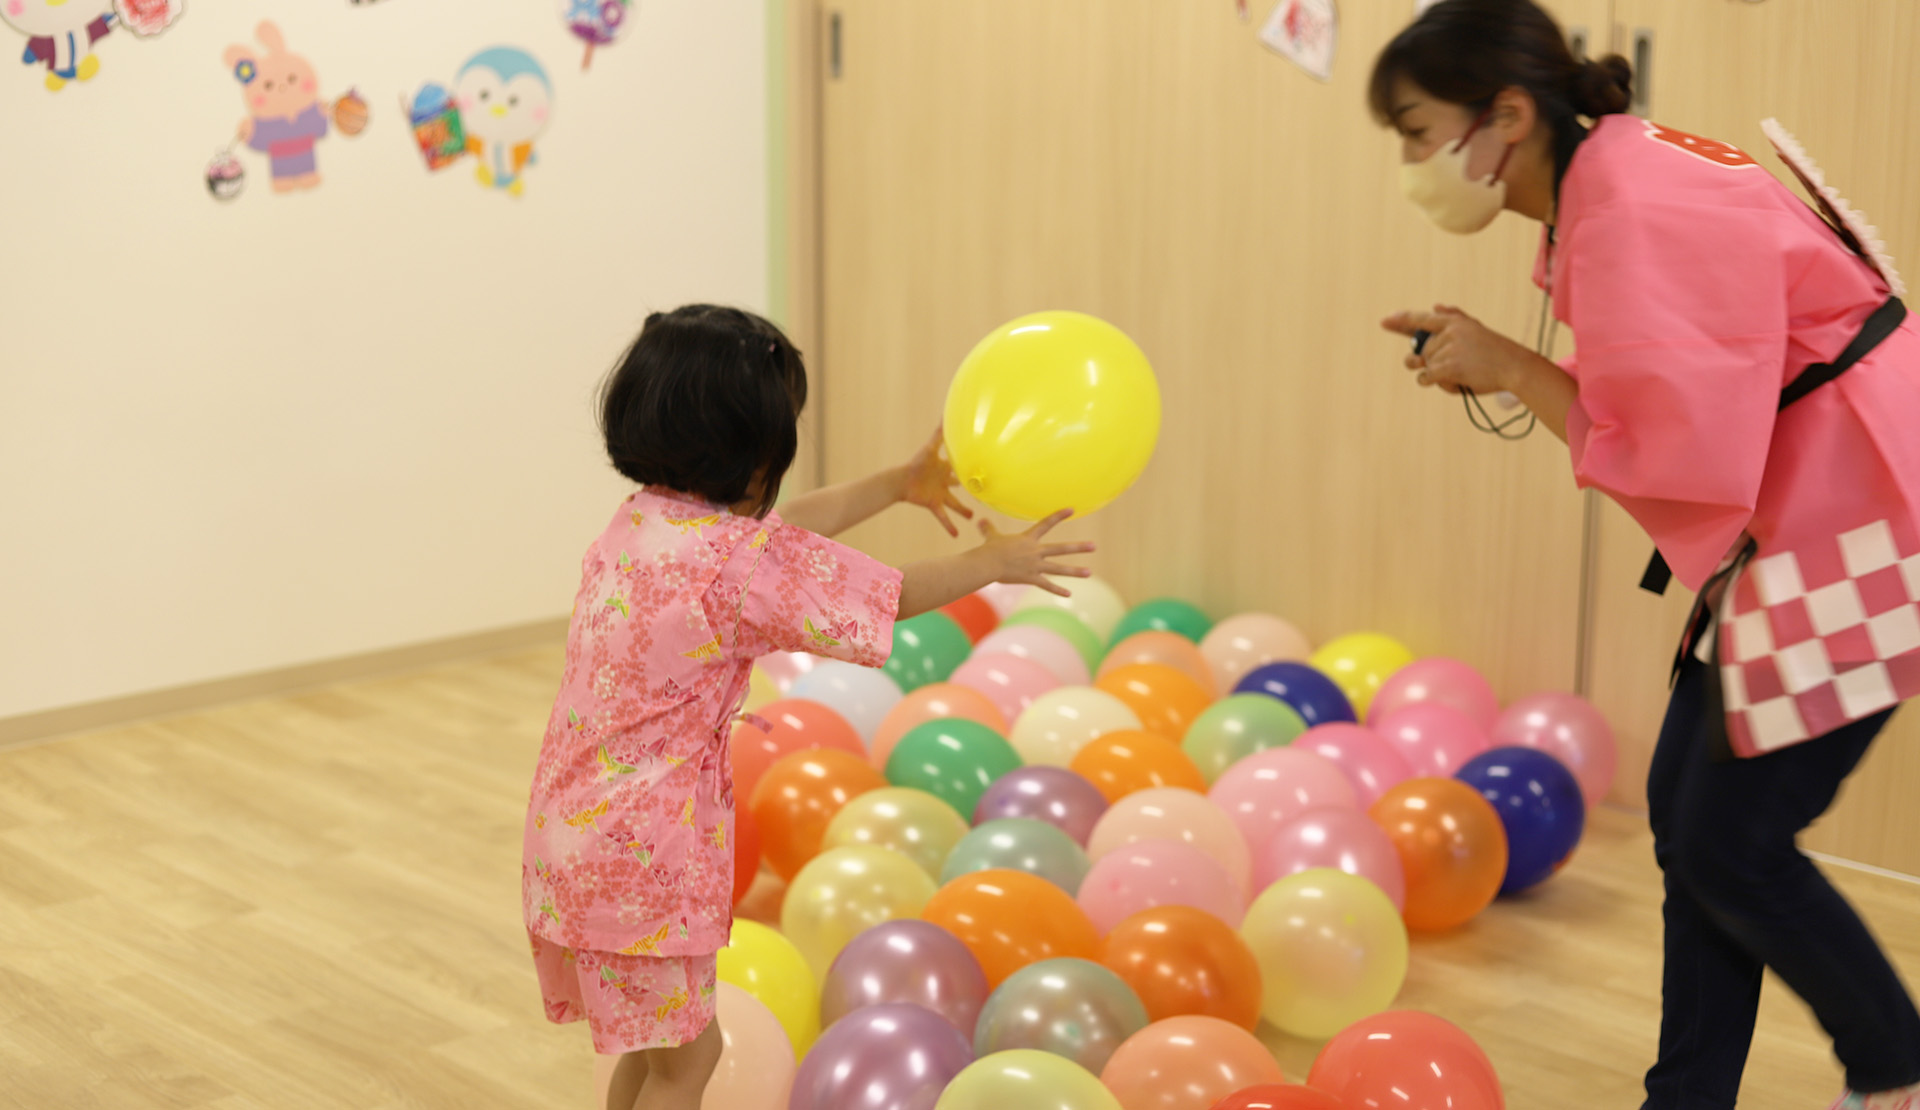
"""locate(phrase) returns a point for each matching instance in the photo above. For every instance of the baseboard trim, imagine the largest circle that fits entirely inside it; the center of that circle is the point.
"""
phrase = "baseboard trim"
(50, 724)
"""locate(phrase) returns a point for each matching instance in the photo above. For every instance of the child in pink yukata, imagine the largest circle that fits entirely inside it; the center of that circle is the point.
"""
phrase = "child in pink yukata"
(627, 871)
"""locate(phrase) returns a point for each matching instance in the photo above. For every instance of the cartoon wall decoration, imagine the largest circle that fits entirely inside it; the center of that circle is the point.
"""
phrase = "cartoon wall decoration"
(1305, 32)
(61, 33)
(225, 175)
(286, 116)
(597, 22)
(501, 102)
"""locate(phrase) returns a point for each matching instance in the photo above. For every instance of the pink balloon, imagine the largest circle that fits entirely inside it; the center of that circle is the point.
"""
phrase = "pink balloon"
(1569, 728)
(1042, 645)
(1436, 740)
(1175, 813)
(1447, 682)
(1009, 681)
(1345, 839)
(1004, 598)
(1248, 640)
(1149, 873)
(786, 667)
(1371, 764)
(1267, 789)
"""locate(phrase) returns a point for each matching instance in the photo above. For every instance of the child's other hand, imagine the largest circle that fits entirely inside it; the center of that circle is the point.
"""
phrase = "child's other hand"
(929, 483)
(1021, 557)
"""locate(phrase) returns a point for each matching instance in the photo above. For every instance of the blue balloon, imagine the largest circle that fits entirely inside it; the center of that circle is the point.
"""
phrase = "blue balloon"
(1538, 801)
(1310, 693)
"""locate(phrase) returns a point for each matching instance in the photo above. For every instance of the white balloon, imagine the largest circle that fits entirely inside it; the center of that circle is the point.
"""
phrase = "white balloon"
(860, 694)
(1093, 601)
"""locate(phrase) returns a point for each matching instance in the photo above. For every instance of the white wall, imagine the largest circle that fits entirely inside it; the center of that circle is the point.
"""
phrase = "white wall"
(246, 436)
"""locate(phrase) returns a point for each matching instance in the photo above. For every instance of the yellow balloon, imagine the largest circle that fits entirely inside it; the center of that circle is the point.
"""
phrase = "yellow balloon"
(1359, 664)
(1331, 949)
(1029, 1079)
(761, 691)
(767, 966)
(912, 822)
(844, 892)
(1057, 410)
(1060, 722)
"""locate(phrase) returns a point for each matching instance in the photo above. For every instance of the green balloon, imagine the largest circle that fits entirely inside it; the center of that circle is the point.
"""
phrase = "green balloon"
(1164, 614)
(1234, 728)
(1019, 844)
(1072, 628)
(926, 649)
(954, 759)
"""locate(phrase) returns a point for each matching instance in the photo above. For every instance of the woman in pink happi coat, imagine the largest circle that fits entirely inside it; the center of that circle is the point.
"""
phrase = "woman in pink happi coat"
(1745, 385)
(627, 872)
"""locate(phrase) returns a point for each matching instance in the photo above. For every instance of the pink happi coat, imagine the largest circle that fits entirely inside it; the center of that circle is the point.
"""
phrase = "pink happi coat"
(1697, 287)
(629, 833)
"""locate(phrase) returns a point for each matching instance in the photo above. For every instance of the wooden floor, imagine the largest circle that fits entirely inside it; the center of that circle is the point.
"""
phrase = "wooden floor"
(312, 902)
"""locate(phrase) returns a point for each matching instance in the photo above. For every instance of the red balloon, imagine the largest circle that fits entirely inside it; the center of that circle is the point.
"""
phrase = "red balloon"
(1280, 1096)
(746, 852)
(1409, 1061)
(792, 725)
(975, 616)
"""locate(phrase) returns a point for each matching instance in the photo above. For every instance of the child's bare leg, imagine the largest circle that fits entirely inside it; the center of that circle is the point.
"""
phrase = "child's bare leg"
(629, 1073)
(677, 1077)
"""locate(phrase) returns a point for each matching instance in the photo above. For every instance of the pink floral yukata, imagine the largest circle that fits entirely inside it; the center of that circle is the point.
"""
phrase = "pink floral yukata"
(627, 875)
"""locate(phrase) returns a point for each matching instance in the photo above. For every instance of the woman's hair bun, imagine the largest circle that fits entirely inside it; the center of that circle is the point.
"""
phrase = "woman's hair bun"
(1603, 87)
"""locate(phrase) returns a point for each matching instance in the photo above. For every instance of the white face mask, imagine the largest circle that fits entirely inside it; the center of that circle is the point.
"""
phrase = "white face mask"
(1440, 187)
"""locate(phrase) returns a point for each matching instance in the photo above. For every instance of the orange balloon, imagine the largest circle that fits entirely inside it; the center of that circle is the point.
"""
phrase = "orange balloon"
(746, 852)
(792, 725)
(940, 701)
(1169, 649)
(1009, 919)
(1187, 1063)
(797, 797)
(1182, 960)
(1123, 763)
(975, 615)
(1452, 848)
(1165, 699)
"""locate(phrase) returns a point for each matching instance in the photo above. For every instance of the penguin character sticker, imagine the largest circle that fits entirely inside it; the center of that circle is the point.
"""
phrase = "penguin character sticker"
(501, 102)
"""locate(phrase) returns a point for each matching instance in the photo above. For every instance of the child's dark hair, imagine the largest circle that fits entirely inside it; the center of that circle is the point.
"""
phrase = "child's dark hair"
(1466, 51)
(707, 402)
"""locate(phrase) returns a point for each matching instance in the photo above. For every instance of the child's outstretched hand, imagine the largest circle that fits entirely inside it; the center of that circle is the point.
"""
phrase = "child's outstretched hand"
(929, 482)
(1022, 557)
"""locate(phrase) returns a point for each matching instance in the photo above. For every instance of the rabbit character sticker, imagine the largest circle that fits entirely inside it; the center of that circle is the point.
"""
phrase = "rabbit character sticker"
(61, 33)
(285, 115)
(501, 102)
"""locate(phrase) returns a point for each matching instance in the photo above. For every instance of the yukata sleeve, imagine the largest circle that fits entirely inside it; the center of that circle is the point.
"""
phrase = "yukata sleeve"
(1680, 315)
(804, 592)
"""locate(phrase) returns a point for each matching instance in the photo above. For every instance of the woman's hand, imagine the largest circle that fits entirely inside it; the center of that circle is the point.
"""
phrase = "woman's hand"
(1461, 352)
(928, 481)
(1022, 557)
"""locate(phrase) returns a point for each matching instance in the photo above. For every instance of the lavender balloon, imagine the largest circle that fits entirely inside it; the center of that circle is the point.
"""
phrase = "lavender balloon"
(908, 962)
(1055, 795)
(896, 1057)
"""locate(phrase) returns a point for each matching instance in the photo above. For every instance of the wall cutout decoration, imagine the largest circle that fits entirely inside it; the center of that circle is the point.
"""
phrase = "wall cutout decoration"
(597, 22)
(225, 175)
(1304, 32)
(286, 116)
(501, 102)
(61, 33)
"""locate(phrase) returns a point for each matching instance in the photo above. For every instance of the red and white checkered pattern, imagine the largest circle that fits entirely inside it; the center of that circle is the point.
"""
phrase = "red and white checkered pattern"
(1811, 640)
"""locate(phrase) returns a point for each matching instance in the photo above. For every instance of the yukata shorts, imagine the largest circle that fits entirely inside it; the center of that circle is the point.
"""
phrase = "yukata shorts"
(630, 1003)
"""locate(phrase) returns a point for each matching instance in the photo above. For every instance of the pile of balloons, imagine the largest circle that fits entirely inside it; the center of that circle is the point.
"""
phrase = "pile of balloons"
(1066, 853)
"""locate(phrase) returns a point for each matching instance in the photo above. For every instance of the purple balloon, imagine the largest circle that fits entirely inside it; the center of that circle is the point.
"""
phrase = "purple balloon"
(1055, 795)
(881, 1058)
(908, 962)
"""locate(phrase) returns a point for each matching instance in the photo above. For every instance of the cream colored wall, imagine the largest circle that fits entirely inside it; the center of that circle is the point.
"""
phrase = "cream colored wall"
(243, 437)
